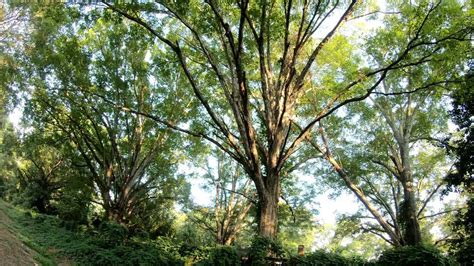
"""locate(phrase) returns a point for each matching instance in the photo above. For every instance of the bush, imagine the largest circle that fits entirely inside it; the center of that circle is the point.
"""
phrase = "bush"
(221, 256)
(321, 257)
(111, 234)
(465, 254)
(262, 248)
(167, 248)
(462, 241)
(73, 208)
(414, 255)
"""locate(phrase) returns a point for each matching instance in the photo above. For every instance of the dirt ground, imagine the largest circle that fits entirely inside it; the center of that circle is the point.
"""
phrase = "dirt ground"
(12, 251)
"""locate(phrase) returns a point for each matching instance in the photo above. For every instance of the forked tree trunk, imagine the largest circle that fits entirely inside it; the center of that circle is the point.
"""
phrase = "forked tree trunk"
(113, 214)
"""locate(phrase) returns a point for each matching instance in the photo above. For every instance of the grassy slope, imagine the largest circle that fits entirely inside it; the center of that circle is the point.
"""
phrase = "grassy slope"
(12, 220)
(54, 242)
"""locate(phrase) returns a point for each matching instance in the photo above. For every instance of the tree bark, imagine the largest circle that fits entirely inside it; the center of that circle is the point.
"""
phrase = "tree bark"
(268, 216)
(412, 232)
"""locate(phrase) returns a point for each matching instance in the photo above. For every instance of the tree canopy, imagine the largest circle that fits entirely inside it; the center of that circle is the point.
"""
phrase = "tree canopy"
(127, 106)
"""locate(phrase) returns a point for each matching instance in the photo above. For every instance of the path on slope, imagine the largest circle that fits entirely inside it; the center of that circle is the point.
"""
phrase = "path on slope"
(13, 252)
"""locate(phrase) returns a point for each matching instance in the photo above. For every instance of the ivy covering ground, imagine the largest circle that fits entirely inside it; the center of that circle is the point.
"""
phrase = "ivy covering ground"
(109, 244)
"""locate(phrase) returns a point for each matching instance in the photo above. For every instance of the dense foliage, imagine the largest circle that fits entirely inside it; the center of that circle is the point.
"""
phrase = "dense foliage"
(462, 146)
(414, 255)
(462, 179)
(216, 132)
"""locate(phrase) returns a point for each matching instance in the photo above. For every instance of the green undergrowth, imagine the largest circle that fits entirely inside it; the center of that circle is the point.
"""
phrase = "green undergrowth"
(321, 257)
(41, 256)
(416, 256)
(108, 245)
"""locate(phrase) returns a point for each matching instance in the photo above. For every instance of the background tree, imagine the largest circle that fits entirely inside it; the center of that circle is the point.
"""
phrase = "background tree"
(49, 178)
(8, 154)
(118, 149)
(12, 33)
(373, 168)
(390, 146)
(405, 118)
(40, 175)
(461, 179)
(12, 20)
(463, 150)
(233, 199)
(351, 237)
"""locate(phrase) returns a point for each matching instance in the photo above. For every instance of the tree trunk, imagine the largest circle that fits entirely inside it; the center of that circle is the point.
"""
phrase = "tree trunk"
(229, 241)
(268, 215)
(412, 232)
(408, 219)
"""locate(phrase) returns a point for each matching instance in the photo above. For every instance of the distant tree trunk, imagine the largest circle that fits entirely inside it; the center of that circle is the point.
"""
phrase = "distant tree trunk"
(232, 201)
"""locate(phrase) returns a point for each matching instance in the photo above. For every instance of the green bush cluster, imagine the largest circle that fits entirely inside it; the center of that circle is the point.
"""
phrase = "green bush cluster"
(414, 255)
(262, 248)
(221, 256)
(321, 257)
(465, 252)
(403, 256)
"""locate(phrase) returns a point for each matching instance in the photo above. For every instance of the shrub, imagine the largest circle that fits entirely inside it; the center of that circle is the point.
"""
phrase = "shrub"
(112, 234)
(221, 256)
(107, 245)
(321, 257)
(262, 248)
(167, 248)
(73, 208)
(414, 255)
(465, 254)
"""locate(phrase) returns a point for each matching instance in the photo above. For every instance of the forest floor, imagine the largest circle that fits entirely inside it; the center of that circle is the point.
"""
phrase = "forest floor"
(13, 251)
(18, 247)
(31, 238)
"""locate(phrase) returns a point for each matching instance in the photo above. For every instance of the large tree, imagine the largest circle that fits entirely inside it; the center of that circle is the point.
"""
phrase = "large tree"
(75, 66)
(384, 166)
(249, 64)
(391, 167)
